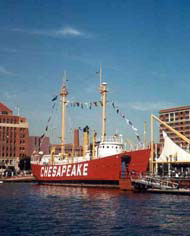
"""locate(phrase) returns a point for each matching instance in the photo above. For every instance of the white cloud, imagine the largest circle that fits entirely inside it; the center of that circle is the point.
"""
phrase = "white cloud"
(150, 106)
(9, 50)
(4, 71)
(9, 96)
(62, 32)
(68, 31)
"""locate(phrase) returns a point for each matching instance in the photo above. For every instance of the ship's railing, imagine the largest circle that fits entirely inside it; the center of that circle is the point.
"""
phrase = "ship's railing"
(155, 182)
(112, 139)
(140, 178)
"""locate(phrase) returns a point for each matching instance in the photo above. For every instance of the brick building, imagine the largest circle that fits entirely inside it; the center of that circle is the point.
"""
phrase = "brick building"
(71, 149)
(37, 143)
(179, 119)
(14, 137)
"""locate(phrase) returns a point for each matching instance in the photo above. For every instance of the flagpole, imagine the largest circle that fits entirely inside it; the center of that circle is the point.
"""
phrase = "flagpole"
(144, 134)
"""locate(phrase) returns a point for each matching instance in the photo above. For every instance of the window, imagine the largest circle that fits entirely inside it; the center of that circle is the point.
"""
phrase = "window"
(4, 112)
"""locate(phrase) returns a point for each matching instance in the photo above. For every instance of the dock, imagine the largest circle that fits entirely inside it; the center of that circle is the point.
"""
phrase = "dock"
(18, 179)
(151, 184)
(169, 191)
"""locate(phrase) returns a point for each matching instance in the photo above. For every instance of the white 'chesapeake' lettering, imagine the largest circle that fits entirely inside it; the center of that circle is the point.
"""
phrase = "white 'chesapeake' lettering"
(73, 172)
(45, 171)
(58, 171)
(85, 169)
(64, 168)
(68, 170)
(42, 171)
(79, 169)
(54, 171)
(50, 171)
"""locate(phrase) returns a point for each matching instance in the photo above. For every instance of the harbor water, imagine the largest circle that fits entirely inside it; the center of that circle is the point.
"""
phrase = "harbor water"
(32, 209)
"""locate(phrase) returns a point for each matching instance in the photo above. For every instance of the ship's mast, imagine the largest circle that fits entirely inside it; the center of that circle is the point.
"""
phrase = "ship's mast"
(103, 91)
(63, 95)
(100, 75)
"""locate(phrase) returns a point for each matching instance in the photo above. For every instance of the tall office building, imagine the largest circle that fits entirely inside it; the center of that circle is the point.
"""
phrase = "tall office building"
(179, 119)
(14, 137)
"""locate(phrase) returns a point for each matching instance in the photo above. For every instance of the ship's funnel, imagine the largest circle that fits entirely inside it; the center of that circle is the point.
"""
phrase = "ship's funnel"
(93, 145)
(52, 154)
(76, 138)
(86, 140)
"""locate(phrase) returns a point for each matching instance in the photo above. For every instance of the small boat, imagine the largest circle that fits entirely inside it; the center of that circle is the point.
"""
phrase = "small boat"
(104, 162)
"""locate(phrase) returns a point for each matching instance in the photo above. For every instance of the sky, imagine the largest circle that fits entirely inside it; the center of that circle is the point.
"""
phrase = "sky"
(142, 45)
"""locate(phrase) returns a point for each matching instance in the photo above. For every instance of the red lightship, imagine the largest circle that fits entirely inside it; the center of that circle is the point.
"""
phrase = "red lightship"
(106, 164)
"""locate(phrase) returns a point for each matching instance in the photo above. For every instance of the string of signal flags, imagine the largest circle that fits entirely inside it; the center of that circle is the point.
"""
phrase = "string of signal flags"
(90, 105)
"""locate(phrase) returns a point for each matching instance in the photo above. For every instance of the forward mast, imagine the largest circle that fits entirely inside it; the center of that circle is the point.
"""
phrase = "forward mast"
(103, 92)
(63, 94)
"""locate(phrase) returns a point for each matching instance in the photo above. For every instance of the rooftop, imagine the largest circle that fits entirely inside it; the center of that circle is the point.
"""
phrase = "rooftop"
(182, 108)
(4, 110)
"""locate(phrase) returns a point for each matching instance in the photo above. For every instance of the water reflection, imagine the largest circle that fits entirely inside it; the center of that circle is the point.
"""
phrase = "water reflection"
(64, 192)
(97, 207)
(51, 210)
(83, 192)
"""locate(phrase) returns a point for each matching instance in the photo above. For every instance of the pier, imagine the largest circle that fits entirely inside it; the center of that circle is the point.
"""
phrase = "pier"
(157, 185)
(169, 191)
(18, 179)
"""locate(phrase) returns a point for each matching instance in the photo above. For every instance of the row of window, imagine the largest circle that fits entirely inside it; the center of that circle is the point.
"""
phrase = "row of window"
(176, 113)
(7, 120)
(182, 126)
(116, 147)
(7, 148)
(175, 119)
(6, 129)
(12, 154)
(8, 154)
(11, 140)
(7, 161)
(185, 132)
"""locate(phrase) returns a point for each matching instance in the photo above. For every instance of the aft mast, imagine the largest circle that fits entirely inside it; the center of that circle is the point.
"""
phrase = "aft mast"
(103, 91)
(63, 95)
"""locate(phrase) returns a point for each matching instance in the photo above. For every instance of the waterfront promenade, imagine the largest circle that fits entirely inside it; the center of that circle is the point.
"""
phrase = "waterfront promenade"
(26, 178)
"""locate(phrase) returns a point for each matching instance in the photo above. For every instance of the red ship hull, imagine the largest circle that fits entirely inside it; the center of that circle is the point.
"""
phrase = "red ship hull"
(104, 170)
